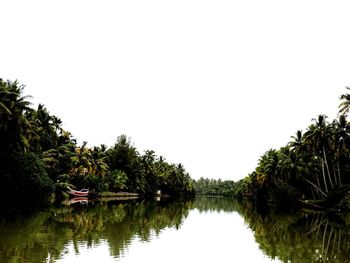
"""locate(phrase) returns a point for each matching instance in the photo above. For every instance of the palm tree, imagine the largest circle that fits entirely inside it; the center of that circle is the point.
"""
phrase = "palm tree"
(341, 140)
(100, 167)
(267, 170)
(47, 127)
(318, 137)
(344, 105)
(82, 161)
(15, 129)
(149, 157)
(293, 168)
(58, 160)
(297, 143)
(87, 161)
(149, 172)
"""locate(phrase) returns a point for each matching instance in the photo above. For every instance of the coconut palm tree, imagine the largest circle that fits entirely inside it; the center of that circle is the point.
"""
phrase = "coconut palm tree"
(82, 161)
(341, 140)
(100, 167)
(344, 105)
(267, 170)
(15, 129)
(297, 143)
(47, 127)
(58, 160)
(149, 174)
(318, 137)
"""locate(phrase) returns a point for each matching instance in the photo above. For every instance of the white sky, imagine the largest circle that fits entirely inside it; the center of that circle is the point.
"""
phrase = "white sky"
(212, 84)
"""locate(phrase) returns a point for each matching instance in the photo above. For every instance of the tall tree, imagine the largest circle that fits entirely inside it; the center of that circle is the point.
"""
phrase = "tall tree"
(47, 127)
(341, 141)
(344, 106)
(15, 129)
(318, 136)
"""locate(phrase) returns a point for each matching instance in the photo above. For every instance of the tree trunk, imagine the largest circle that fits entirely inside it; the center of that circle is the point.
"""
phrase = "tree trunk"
(318, 189)
(325, 161)
(335, 176)
(313, 193)
(319, 186)
(324, 176)
(339, 175)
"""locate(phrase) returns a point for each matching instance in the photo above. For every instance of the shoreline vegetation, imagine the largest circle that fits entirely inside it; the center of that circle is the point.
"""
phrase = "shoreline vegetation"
(39, 159)
(309, 172)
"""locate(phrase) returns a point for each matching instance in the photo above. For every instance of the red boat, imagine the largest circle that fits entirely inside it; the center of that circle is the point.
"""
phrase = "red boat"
(82, 192)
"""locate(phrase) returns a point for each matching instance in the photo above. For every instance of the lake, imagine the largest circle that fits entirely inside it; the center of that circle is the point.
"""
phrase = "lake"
(201, 230)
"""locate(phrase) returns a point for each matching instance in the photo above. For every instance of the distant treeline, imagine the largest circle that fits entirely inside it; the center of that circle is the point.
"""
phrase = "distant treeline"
(212, 187)
(38, 157)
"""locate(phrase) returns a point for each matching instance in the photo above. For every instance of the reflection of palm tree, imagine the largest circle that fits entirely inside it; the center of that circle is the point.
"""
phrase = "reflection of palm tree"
(327, 233)
(298, 237)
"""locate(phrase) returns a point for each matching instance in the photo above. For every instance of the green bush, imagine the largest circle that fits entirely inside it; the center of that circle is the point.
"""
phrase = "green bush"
(117, 180)
(24, 178)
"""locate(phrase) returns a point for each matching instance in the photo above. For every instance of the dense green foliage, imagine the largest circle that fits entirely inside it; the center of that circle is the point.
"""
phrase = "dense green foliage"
(37, 156)
(314, 165)
(25, 175)
(215, 187)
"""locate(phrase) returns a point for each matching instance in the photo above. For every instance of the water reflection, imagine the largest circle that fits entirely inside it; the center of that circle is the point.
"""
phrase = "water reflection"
(32, 238)
(47, 236)
(303, 236)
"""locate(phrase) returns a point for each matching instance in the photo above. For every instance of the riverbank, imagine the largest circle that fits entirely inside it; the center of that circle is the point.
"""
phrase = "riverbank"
(118, 194)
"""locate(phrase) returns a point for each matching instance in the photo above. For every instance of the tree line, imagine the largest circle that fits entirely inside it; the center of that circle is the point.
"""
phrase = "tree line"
(213, 187)
(38, 157)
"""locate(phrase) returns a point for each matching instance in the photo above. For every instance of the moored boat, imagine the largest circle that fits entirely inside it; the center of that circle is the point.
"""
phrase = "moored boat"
(81, 193)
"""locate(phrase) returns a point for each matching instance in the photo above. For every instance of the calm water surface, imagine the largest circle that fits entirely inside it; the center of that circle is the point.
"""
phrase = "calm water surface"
(203, 230)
